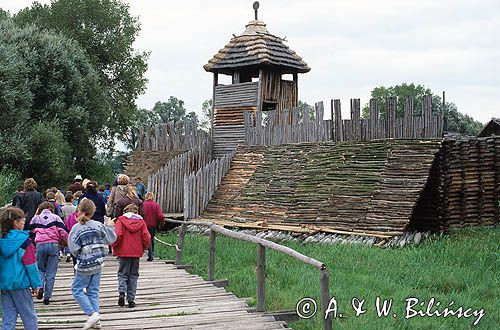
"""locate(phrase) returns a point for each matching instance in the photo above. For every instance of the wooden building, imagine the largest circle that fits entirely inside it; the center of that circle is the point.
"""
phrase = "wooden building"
(257, 62)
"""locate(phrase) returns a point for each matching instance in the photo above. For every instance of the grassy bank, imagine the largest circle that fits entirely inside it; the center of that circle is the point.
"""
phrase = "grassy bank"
(463, 267)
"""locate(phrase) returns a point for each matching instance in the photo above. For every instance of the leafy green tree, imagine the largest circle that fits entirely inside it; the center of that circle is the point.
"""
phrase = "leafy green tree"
(4, 14)
(172, 110)
(454, 121)
(106, 31)
(47, 79)
(9, 180)
(49, 151)
(303, 106)
(142, 118)
(101, 169)
(206, 120)
(403, 91)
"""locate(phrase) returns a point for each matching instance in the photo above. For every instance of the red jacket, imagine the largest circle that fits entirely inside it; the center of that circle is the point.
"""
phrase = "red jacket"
(132, 236)
(152, 213)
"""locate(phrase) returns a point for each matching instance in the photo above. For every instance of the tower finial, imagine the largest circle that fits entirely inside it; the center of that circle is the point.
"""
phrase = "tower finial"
(256, 7)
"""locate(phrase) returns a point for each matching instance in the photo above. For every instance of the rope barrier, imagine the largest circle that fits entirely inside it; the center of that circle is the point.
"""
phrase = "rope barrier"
(168, 244)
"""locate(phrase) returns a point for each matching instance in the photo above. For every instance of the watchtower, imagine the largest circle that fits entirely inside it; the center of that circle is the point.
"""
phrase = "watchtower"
(257, 62)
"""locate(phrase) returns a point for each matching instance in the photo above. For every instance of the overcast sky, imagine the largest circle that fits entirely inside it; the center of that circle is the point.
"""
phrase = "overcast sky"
(351, 46)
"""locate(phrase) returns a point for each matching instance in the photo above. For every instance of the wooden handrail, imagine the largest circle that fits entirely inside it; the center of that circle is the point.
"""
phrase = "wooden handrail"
(262, 244)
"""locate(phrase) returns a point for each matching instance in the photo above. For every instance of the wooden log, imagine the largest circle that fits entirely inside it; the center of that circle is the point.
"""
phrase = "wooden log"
(325, 299)
(180, 243)
(211, 262)
(261, 278)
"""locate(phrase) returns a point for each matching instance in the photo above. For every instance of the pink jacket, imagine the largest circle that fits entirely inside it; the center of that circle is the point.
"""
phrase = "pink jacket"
(71, 220)
(48, 228)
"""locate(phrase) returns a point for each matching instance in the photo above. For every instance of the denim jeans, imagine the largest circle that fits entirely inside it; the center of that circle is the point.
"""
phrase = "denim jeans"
(18, 302)
(151, 248)
(47, 256)
(128, 273)
(88, 301)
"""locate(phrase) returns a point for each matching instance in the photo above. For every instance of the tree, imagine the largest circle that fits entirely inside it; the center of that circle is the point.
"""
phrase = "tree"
(163, 112)
(172, 110)
(454, 121)
(206, 119)
(49, 153)
(142, 118)
(403, 91)
(106, 31)
(47, 84)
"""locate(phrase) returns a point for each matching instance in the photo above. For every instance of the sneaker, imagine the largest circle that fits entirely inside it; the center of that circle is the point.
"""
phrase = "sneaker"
(97, 325)
(131, 304)
(68, 257)
(46, 301)
(93, 319)
(39, 296)
(150, 259)
(121, 300)
(60, 255)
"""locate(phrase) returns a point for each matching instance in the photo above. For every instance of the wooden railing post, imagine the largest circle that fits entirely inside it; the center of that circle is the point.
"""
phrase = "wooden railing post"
(211, 263)
(325, 299)
(180, 245)
(261, 278)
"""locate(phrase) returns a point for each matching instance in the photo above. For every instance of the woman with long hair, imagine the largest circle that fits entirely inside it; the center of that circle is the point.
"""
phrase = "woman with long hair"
(29, 200)
(129, 198)
(99, 202)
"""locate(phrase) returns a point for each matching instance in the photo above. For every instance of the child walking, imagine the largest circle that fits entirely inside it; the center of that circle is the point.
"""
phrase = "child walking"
(86, 242)
(132, 239)
(50, 231)
(18, 271)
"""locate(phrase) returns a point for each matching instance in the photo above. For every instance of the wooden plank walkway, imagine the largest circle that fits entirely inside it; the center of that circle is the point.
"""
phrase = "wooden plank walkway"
(167, 298)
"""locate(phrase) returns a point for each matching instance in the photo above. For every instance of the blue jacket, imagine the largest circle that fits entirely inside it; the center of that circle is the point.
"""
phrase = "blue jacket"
(18, 266)
(100, 206)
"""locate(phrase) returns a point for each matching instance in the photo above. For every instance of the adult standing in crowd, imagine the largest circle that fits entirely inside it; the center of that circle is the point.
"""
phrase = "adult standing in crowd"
(19, 191)
(76, 185)
(117, 193)
(29, 201)
(129, 198)
(152, 216)
(141, 188)
(100, 205)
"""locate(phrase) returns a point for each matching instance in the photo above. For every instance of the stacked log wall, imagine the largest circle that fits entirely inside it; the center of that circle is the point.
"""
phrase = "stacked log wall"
(470, 182)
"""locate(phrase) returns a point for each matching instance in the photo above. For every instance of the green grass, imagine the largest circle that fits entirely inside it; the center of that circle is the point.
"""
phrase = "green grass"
(463, 266)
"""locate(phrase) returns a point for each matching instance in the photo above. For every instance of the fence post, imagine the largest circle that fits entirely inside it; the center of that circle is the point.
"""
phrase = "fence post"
(325, 299)
(180, 244)
(211, 263)
(261, 278)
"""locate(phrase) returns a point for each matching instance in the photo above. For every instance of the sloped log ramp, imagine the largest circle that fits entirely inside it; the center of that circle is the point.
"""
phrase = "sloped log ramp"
(167, 298)
(367, 187)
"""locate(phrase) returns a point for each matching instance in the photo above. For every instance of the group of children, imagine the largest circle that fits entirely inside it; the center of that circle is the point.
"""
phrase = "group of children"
(29, 268)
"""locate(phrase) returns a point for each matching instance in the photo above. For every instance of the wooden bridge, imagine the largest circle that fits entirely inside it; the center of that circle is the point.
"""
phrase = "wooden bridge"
(167, 298)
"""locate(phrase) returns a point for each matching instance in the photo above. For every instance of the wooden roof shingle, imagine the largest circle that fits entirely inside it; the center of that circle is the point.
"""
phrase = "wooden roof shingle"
(256, 47)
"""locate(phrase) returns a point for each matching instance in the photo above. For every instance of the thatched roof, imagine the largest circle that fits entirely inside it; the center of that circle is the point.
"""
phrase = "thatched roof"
(493, 127)
(256, 47)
